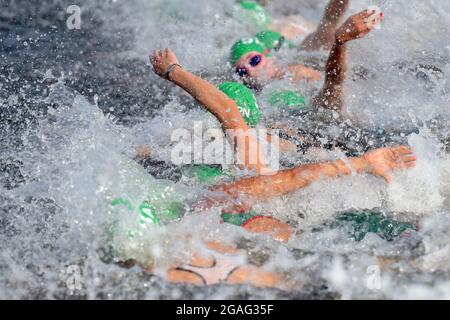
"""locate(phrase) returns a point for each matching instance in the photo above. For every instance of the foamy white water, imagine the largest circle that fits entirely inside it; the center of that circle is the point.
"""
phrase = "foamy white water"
(77, 157)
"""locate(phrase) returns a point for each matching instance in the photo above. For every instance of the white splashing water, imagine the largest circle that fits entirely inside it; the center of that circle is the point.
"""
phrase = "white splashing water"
(80, 159)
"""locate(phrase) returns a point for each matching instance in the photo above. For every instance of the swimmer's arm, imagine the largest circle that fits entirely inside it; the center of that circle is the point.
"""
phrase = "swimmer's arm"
(221, 106)
(214, 100)
(332, 94)
(287, 181)
(301, 72)
(262, 188)
(380, 163)
(283, 144)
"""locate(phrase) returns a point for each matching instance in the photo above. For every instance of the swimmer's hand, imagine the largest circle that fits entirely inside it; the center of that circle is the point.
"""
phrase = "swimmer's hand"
(161, 60)
(359, 25)
(381, 162)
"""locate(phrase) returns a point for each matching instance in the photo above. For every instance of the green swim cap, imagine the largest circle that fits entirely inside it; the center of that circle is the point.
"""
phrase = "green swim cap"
(287, 98)
(255, 14)
(245, 100)
(244, 46)
(271, 39)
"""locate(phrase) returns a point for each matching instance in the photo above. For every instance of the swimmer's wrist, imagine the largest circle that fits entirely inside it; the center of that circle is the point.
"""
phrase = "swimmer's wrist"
(339, 40)
(177, 75)
(354, 165)
(351, 166)
(171, 70)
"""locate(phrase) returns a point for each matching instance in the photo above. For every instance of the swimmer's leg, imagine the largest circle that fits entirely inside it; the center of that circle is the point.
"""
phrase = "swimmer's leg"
(323, 37)
(332, 95)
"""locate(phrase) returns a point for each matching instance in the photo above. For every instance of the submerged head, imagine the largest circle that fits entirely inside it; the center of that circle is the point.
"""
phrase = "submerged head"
(245, 101)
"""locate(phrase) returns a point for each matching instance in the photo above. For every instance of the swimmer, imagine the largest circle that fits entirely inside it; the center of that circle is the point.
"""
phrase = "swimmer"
(233, 104)
(294, 26)
(220, 263)
(223, 262)
(253, 62)
(378, 162)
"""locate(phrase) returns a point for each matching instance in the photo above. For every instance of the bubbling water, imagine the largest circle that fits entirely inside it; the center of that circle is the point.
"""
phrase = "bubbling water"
(74, 157)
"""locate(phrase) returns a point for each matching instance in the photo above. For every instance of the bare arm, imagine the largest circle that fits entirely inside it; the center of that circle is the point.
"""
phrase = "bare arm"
(287, 181)
(220, 105)
(301, 72)
(332, 95)
(380, 163)
(215, 101)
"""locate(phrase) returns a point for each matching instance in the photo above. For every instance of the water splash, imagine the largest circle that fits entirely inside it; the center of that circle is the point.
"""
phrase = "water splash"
(68, 153)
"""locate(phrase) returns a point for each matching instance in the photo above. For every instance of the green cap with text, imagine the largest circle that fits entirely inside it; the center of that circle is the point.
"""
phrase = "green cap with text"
(245, 100)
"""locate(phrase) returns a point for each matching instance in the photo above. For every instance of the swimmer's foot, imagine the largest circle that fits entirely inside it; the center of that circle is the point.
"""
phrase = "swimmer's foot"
(359, 25)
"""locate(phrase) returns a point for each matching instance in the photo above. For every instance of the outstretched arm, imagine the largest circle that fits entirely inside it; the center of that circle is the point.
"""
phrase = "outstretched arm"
(380, 163)
(215, 101)
(332, 95)
(221, 106)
